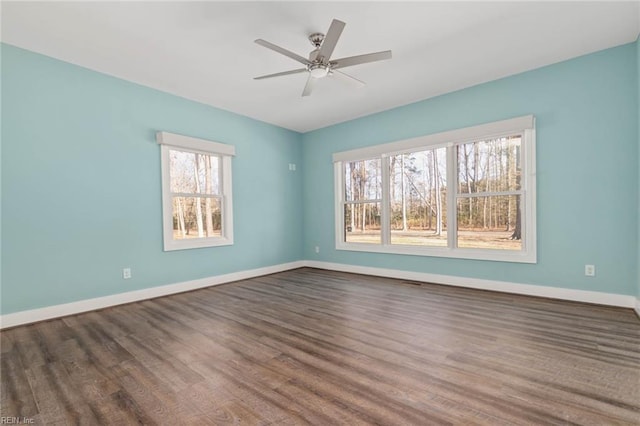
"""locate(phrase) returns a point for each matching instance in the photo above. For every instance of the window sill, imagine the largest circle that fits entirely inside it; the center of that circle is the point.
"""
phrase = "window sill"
(195, 244)
(458, 253)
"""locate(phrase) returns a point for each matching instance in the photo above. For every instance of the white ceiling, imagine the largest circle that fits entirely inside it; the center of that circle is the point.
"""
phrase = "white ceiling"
(205, 51)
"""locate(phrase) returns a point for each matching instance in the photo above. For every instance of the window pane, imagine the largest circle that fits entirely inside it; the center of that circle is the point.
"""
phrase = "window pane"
(362, 223)
(212, 174)
(196, 217)
(194, 173)
(181, 170)
(490, 222)
(418, 198)
(489, 166)
(363, 180)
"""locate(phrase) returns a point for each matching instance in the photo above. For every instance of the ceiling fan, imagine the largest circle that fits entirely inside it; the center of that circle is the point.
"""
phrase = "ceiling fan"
(319, 64)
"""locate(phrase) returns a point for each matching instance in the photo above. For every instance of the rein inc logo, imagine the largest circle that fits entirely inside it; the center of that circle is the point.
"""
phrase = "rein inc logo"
(6, 420)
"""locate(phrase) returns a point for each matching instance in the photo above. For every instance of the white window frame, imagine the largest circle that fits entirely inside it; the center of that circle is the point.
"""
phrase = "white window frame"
(524, 126)
(169, 141)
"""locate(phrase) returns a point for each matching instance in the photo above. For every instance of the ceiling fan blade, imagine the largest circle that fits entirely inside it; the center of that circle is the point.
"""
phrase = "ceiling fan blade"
(346, 77)
(278, 74)
(282, 51)
(360, 59)
(311, 81)
(331, 39)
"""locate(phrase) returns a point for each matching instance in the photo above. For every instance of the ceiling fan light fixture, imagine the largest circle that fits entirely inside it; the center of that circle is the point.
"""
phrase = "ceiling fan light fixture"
(318, 70)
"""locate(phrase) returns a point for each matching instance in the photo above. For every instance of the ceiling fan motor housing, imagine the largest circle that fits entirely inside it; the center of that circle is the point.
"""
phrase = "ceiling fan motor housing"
(316, 39)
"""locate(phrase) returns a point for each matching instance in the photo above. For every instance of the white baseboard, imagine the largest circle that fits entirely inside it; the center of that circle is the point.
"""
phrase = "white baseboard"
(56, 311)
(502, 286)
(41, 314)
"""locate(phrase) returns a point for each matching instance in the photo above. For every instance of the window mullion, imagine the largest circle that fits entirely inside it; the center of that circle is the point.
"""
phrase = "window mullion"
(488, 194)
(452, 189)
(385, 225)
(195, 195)
(365, 201)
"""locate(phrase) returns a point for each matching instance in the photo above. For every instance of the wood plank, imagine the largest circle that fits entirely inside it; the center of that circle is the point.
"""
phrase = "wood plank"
(15, 393)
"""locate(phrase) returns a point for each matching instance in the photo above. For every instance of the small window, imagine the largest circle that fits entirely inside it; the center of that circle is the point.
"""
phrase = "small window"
(489, 194)
(363, 198)
(418, 198)
(196, 192)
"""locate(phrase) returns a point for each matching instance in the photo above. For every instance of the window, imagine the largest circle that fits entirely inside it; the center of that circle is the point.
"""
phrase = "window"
(363, 198)
(467, 193)
(196, 192)
(418, 198)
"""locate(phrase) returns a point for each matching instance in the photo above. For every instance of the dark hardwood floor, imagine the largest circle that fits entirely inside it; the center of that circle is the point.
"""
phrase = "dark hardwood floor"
(317, 347)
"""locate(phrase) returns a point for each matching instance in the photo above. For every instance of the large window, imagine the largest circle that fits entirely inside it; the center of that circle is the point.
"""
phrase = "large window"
(467, 193)
(196, 192)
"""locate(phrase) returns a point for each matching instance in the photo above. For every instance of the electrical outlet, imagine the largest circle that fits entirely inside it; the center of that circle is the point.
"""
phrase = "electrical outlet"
(590, 270)
(126, 273)
(317, 249)
(292, 167)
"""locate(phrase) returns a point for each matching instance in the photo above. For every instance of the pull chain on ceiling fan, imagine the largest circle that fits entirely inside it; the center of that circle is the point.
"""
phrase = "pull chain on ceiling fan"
(319, 64)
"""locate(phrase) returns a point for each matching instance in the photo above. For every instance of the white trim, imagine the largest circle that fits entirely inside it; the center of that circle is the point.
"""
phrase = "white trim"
(467, 134)
(338, 172)
(227, 202)
(434, 251)
(529, 223)
(56, 311)
(596, 297)
(188, 142)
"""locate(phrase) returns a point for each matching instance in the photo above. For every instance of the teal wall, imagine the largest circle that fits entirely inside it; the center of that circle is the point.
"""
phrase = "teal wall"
(81, 194)
(587, 164)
